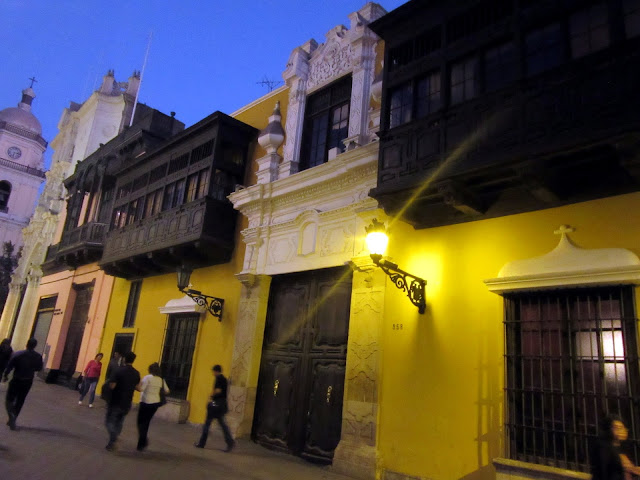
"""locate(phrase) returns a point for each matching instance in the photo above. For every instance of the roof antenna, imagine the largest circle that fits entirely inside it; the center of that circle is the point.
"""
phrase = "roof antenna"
(144, 65)
(270, 83)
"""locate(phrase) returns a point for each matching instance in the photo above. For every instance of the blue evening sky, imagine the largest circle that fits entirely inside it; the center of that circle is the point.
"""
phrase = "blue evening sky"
(205, 55)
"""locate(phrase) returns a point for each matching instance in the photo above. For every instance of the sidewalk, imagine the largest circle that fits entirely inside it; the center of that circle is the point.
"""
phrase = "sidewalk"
(59, 439)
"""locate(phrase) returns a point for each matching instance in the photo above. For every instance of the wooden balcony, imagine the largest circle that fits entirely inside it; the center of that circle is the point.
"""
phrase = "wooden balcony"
(572, 134)
(80, 246)
(200, 233)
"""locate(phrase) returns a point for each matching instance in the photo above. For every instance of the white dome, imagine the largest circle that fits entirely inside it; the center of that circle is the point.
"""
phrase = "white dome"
(21, 118)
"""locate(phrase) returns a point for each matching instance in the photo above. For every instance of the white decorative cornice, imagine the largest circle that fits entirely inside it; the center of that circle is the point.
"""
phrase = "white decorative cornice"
(355, 166)
(181, 305)
(568, 265)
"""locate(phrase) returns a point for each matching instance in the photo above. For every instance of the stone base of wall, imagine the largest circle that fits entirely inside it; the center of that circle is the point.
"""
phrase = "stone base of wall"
(515, 470)
(357, 461)
(390, 475)
(174, 411)
(242, 403)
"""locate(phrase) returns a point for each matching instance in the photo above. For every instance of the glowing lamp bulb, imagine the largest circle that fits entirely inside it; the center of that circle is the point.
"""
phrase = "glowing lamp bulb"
(377, 238)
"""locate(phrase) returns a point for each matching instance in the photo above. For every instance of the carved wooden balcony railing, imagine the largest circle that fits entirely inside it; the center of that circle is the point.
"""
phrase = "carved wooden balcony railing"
(198, 233)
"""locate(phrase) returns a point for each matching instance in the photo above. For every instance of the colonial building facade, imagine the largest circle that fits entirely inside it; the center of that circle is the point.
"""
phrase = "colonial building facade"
(21, 167)
(307, 354)
(82, 128)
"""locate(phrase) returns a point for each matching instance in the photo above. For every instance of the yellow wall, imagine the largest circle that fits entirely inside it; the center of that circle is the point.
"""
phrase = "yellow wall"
(441, 400)
(215, 339)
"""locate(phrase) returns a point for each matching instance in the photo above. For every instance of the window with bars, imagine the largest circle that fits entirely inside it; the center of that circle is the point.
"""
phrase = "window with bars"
(631, 12)
(132, 304)
(178, 163)
(571, 358)
(326, 122)
(177, 353)
(464, 80)
(589, 30)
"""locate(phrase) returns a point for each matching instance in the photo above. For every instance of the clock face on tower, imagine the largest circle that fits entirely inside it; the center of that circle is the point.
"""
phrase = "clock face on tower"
(14, 152)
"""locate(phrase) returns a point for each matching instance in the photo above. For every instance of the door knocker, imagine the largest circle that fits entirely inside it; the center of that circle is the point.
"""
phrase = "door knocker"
(276, 384)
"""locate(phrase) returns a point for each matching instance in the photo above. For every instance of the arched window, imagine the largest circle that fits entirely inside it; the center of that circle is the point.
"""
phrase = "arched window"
(5, 192)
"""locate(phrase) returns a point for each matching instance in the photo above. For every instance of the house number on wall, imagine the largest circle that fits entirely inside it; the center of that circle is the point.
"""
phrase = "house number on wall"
(397, 326)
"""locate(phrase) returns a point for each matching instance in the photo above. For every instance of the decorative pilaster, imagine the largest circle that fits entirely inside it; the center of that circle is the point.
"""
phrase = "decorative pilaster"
(356, 452)
(247, 351)
(363, 45)
(26, 316)
(10, 309)
(295, 76)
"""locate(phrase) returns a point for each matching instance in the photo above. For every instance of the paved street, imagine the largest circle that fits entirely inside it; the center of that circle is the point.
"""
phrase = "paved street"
(60, 440)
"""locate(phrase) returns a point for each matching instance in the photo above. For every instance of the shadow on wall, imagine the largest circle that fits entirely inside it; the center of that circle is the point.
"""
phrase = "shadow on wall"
(489, 405)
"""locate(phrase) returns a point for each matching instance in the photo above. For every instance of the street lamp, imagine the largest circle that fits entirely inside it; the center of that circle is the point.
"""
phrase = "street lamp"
(212, 304)
(377, 241)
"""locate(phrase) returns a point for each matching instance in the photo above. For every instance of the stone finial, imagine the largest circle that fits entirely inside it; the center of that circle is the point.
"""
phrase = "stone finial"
(133, 83)
(108, 82)
(272, 136)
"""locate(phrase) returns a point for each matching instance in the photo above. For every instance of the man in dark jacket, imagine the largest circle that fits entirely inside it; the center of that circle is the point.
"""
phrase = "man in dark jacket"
(216, 409)
(24, 365)
(122, 383)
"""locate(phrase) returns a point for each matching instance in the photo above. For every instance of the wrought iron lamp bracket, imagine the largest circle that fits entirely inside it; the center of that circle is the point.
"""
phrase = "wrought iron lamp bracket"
(413, 286)
(214, 305)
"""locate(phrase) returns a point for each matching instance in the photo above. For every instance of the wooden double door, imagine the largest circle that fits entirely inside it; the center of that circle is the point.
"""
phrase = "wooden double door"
(301, 384)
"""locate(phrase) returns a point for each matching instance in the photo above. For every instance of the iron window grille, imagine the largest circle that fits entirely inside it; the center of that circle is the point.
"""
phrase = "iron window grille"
(570, 358)
(177, 354)
(132, 304)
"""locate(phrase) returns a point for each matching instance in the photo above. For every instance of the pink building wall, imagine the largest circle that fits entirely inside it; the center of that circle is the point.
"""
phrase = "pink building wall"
(61, 284)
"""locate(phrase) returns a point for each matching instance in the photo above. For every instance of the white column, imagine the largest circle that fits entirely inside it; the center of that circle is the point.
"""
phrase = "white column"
(24, 323)
(10, 310)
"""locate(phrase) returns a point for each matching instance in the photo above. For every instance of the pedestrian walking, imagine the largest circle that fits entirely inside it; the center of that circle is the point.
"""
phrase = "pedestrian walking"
(24, 364)
(608, 460)
(150, 400)
(114, 364)
(91, 375)
(122, 384)
(216, 409)
(5, 354)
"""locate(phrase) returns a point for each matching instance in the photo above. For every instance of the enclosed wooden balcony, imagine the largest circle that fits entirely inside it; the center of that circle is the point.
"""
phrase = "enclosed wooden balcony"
(569, 135)
(199, 233)
(80, 246)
